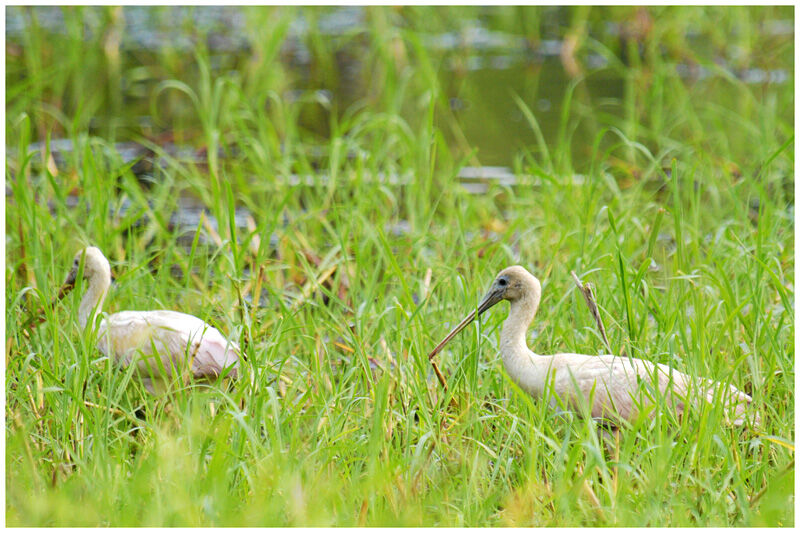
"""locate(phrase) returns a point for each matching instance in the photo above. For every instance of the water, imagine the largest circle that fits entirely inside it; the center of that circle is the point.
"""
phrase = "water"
(480, 72)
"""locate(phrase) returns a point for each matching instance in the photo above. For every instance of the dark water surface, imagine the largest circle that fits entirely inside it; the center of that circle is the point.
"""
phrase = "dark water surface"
(479, 68)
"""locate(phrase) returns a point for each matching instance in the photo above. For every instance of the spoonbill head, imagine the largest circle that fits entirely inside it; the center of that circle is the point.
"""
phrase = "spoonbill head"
(98, 273)
(612, 387)
(513, 284)
(161, 343)
(95, 266)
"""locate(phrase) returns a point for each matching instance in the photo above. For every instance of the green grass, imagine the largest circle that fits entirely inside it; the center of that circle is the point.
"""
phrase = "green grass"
(684, 221)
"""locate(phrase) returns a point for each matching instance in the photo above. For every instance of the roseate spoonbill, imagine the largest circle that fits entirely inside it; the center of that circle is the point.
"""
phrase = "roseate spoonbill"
(160, 343)
(618, 387)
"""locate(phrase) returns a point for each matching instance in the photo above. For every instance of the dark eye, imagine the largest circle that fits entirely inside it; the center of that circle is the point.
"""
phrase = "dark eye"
(502, 282)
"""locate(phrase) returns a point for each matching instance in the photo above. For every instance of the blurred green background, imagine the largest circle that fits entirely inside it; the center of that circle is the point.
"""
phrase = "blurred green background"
(106, 70)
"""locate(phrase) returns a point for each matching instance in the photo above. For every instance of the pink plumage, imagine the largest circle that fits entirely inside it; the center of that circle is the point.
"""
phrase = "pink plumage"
(162, 344)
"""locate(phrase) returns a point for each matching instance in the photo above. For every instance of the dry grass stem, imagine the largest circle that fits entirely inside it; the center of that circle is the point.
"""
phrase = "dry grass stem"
(591, 303)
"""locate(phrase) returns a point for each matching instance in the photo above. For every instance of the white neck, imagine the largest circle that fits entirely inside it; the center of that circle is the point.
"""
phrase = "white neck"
(521, 363)
(92, 301)
(516, 325)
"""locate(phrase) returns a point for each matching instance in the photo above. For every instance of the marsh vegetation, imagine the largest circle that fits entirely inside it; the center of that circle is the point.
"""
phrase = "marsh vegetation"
(334, 188)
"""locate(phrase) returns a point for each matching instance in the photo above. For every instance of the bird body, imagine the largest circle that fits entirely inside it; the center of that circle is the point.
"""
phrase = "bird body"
(611, 387)
(161, 343)
(181, 340)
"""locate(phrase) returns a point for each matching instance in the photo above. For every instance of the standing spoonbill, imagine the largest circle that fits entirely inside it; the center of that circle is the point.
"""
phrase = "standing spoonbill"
(160, 343)
(618, 387)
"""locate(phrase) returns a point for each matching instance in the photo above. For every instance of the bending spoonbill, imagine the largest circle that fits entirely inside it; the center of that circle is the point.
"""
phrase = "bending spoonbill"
(161, 343)
(618, 387)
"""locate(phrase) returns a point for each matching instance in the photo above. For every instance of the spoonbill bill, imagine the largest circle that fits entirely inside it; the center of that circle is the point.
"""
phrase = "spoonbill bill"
(611, 387)
(161, 343)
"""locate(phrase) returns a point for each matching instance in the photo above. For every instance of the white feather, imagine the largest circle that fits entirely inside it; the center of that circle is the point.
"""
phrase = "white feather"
(608, 386)
(162, 344)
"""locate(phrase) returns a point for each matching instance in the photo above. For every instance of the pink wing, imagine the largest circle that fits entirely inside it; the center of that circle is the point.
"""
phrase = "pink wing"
(167, 342)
